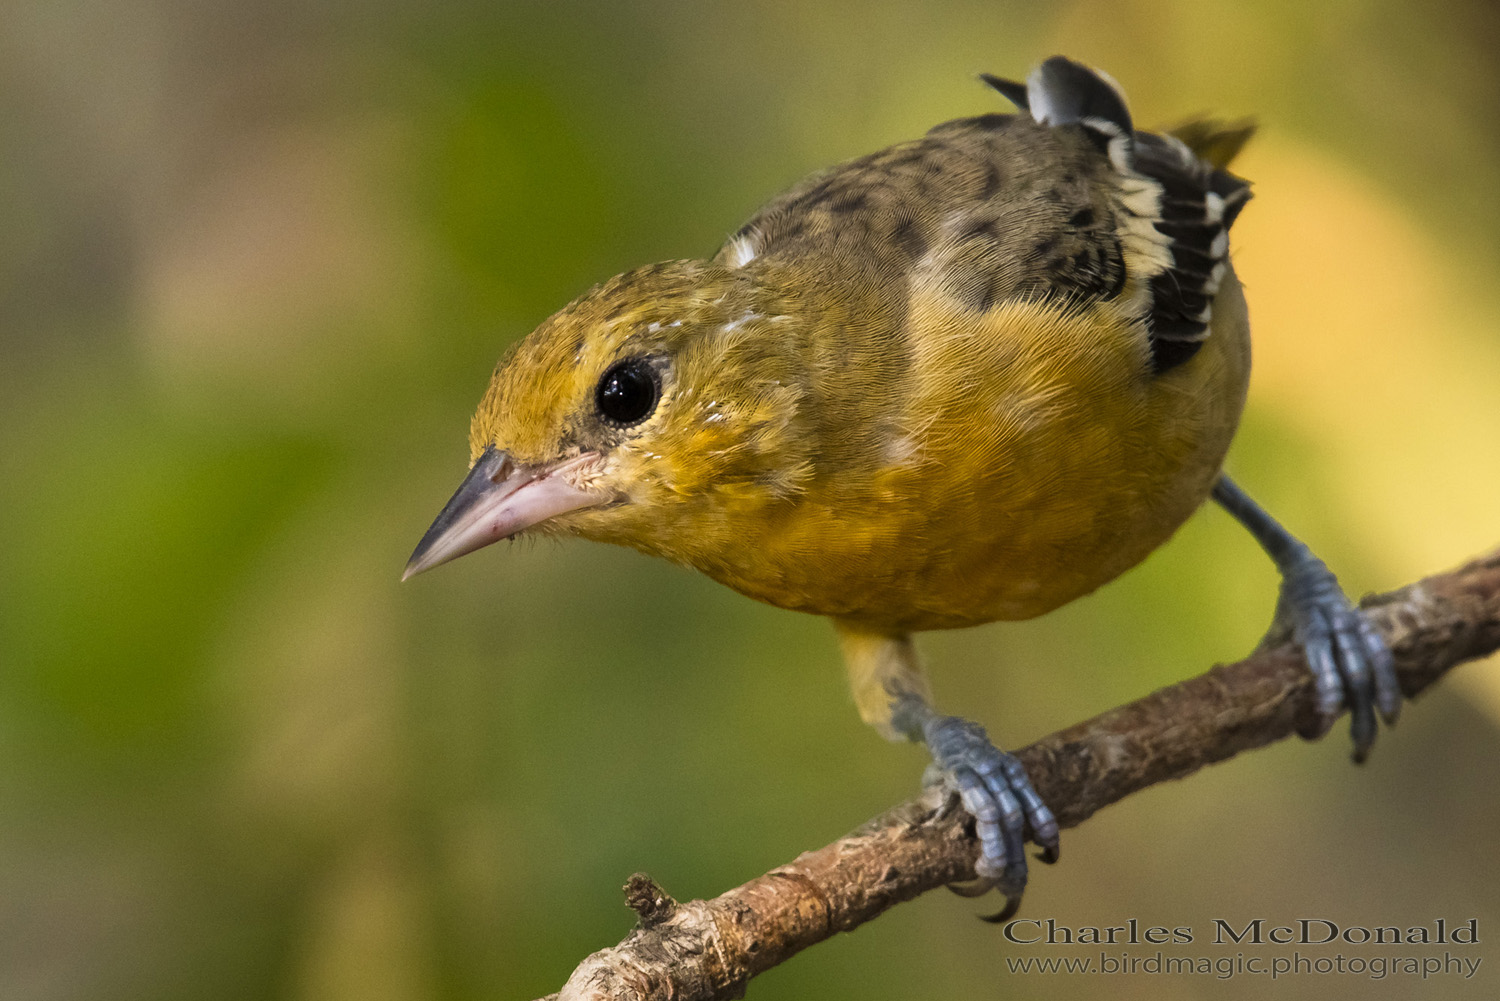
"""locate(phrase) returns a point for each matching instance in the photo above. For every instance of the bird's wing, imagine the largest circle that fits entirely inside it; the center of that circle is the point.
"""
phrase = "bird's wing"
(1066, 202)
(1177, 201)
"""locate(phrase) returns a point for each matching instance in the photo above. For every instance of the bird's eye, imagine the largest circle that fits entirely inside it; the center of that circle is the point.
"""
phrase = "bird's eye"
(628, 392)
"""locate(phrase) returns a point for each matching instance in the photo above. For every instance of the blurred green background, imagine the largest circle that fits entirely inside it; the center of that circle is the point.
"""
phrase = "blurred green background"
(256, 264)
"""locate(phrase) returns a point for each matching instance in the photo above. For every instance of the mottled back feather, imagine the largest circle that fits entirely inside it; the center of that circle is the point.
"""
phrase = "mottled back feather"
(1065, 203)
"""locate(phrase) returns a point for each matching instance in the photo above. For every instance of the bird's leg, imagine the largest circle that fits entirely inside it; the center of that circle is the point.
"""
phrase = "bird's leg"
(1349, 661)
(892, 694)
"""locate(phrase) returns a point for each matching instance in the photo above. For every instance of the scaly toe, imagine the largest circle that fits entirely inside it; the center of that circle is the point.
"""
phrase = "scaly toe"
(1350, 663)
(995, 790)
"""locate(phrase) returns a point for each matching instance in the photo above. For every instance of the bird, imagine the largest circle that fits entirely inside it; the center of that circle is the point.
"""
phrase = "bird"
(963, 379)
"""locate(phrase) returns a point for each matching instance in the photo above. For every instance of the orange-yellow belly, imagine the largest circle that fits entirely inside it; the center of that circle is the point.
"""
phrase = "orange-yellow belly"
(1035, 459)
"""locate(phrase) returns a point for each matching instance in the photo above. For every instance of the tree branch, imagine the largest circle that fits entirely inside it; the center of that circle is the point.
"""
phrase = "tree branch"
(709, 949)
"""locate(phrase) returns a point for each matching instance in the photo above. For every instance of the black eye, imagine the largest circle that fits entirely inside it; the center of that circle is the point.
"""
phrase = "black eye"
(628, 392)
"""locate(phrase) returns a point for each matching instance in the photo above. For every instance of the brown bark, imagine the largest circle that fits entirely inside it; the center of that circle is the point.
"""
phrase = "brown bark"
(706, 949)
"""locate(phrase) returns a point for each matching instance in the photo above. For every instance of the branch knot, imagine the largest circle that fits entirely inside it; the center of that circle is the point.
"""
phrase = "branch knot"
(649, 901)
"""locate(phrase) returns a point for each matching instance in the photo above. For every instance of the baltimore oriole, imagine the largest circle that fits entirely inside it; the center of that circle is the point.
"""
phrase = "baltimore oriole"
(965, 378)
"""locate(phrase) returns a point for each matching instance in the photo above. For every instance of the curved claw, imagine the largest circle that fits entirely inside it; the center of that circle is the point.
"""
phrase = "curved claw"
(977, 888)
(1012, 905)
(994, 788)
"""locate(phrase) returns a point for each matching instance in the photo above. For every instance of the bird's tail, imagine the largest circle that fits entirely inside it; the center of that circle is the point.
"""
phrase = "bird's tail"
(1213, 140)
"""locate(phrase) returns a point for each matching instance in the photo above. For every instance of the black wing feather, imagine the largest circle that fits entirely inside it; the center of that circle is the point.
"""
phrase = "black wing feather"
(1198, 205)
(1195, 201)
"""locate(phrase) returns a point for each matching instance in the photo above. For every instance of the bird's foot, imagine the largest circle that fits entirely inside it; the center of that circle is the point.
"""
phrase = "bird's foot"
(993, 787)
(1350, 663)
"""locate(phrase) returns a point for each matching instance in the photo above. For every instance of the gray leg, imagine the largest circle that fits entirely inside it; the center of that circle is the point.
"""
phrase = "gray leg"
(1348, 659)
(885, 675)
(992, 786)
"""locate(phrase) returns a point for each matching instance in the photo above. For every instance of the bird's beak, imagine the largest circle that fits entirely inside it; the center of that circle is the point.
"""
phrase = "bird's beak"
(499, 498)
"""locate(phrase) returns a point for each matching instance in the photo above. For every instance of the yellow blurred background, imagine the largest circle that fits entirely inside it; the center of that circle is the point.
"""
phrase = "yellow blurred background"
(256, 264)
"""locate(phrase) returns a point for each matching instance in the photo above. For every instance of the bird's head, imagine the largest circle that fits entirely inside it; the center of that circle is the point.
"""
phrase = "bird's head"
(665, 398)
